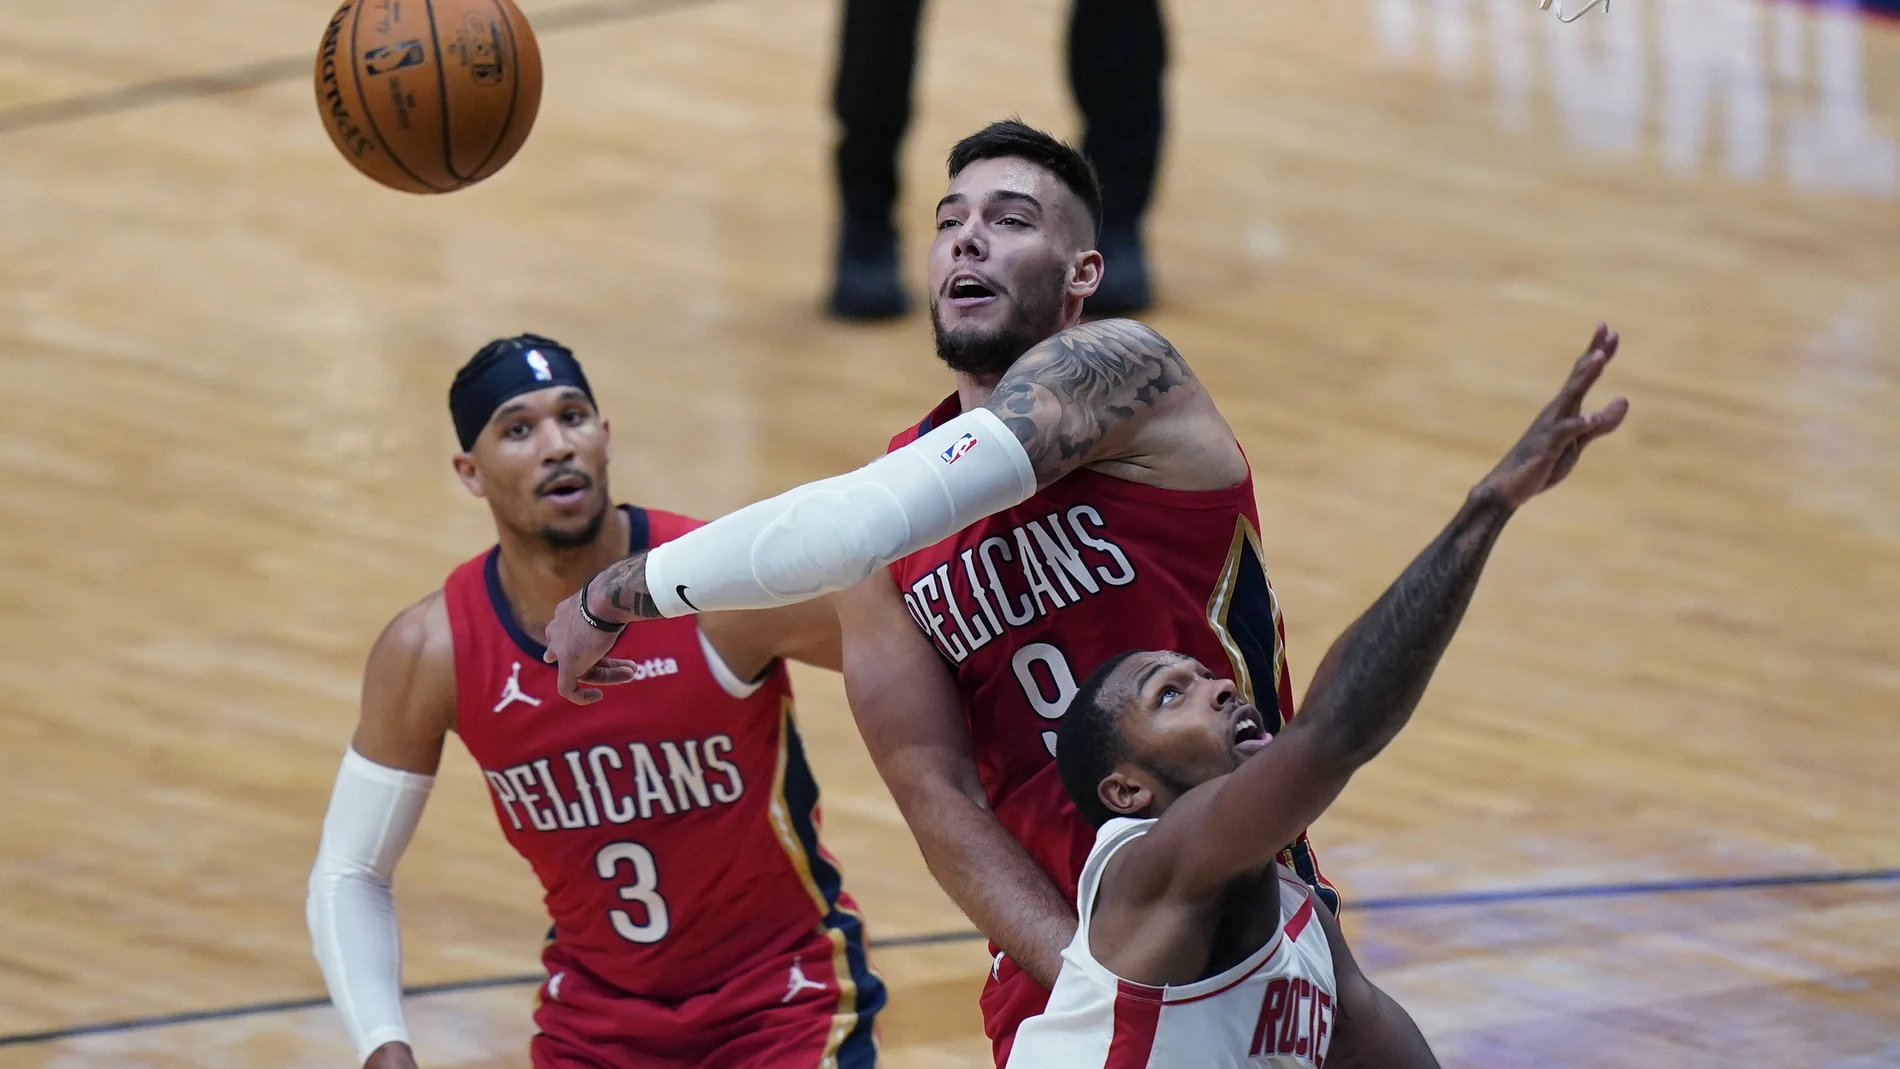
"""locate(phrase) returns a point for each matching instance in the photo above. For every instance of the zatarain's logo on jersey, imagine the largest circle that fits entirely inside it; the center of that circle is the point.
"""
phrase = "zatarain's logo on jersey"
(654, 667)
(959, 447)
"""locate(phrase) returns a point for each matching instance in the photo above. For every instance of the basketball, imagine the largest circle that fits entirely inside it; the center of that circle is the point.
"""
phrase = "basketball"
(431, 96)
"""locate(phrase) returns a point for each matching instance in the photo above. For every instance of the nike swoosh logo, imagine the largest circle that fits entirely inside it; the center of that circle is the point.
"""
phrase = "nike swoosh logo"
(681, 591)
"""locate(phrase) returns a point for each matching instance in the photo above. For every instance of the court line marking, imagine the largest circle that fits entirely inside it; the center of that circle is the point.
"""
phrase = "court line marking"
(1396, 902)
(283, 69)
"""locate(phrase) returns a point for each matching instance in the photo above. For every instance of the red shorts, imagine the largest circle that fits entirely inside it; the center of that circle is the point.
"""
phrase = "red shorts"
(790, 1011)
(1010, 997)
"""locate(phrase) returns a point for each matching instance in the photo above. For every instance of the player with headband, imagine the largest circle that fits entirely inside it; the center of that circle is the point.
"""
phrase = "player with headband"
(674, 826)
(1078, 494)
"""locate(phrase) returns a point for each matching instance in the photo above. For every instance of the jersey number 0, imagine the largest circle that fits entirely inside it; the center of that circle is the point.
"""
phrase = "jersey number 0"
(1055, 675)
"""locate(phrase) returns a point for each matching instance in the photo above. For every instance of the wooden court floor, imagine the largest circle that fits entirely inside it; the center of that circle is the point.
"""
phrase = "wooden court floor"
(1384, 229)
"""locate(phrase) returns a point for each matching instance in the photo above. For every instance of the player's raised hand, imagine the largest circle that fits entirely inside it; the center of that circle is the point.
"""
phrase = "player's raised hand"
(1557, 437)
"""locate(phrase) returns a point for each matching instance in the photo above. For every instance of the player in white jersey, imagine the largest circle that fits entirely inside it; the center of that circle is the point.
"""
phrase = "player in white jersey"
(1193, 947)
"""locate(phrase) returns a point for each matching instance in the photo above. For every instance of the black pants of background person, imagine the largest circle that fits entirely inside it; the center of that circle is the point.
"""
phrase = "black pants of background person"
(1117, 51)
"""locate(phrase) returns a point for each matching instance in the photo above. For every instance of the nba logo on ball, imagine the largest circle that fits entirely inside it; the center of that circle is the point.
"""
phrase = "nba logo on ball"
(395, 57)
(539, 365)
(959, 447)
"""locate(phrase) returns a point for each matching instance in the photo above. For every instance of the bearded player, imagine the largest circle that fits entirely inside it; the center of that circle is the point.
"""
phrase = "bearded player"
(1079, 493)
(1194, 945)
(697, 921)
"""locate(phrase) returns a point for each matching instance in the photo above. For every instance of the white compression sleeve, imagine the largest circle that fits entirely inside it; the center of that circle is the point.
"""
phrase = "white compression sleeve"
(374, 810)
(828, 535)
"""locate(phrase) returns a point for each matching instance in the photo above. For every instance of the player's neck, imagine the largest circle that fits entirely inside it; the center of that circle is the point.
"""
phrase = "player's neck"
(535, 577)
(973, 391)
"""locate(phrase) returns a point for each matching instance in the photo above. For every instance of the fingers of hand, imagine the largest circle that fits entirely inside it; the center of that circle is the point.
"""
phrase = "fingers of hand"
(609, 673)
(579, 695)
(1565, 434)
(1608, 418)
(1588, 370)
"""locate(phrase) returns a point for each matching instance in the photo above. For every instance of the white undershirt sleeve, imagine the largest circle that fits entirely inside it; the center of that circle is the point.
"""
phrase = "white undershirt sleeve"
(373, 812)
(828, 535)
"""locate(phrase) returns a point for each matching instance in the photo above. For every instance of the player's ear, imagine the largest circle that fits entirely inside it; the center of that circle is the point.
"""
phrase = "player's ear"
(1086, 274)
(470, 475)
(1124, 794)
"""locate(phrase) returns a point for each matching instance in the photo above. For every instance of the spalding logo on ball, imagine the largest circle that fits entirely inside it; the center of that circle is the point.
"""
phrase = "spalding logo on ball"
(428, 96)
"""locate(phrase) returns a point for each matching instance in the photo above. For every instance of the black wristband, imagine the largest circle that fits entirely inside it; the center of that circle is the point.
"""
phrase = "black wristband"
(596, 622)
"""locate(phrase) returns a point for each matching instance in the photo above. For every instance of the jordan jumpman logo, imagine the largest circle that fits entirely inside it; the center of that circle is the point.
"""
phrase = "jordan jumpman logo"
(799, 983)
(511, 691)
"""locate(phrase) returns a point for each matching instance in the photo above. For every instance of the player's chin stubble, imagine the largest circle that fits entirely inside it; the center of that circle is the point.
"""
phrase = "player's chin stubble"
(980, 351)
(557, 538)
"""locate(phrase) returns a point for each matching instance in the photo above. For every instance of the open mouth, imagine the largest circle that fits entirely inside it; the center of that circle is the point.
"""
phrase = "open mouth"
(1249, 736)
(565, 489)
(968, 291)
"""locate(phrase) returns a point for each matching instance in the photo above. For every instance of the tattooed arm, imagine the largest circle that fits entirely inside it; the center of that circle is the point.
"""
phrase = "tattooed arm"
(1115, 395)
(1373, 676)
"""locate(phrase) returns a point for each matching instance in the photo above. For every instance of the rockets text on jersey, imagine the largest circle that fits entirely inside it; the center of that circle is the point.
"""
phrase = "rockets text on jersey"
(1275, 1008)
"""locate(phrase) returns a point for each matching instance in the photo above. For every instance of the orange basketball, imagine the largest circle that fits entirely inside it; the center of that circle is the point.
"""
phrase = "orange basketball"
(428, 96)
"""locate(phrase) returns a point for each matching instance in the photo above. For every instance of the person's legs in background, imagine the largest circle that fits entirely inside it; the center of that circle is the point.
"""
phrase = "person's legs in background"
(1117, 52)
(876, 59)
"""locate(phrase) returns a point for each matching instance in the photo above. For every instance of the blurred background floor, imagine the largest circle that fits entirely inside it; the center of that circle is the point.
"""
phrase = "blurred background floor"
(1384, 229)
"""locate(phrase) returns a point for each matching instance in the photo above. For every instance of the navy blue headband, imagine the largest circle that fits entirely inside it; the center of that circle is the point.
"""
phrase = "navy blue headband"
(504, 370)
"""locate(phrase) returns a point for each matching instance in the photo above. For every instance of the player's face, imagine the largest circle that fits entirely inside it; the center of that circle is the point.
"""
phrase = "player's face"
(1010, 265)
(1182, 725)
(541, 463)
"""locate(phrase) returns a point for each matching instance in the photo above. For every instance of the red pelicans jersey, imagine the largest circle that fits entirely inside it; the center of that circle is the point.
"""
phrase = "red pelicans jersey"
(673, 823)
(1026, 603)
(1274, 1008)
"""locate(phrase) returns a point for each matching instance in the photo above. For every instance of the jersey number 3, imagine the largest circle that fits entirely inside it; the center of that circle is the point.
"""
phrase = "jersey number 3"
(644, 889)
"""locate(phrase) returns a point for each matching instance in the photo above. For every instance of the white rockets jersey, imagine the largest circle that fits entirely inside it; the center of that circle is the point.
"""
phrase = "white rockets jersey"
(1273, 1009)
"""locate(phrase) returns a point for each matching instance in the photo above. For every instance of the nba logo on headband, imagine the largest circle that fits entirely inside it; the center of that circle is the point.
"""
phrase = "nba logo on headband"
(539, 363)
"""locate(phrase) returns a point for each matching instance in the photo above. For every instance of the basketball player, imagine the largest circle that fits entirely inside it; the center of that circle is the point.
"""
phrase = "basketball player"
(697, 921)
(1195, 946)
(1079, 493)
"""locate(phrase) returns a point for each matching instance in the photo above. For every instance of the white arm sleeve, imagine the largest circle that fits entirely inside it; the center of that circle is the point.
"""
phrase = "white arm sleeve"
(373, 812)
(828, 535)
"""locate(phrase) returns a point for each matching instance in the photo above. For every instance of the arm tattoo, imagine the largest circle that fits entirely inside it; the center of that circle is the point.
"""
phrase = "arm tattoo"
(1066, 394)
(625, 584)
(1388, 656)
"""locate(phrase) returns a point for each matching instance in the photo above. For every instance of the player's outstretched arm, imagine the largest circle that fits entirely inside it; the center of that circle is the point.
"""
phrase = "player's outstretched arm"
(1374, 675)
(1113, 393)
(408, 709)
(912, 720)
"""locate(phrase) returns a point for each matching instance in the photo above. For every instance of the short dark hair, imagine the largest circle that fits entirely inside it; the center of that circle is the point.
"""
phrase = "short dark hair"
(1013, 138)
(1089, 743)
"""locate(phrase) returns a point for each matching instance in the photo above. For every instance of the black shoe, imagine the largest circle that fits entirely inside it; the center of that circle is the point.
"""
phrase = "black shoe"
(1124, 288)
(867, 285)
